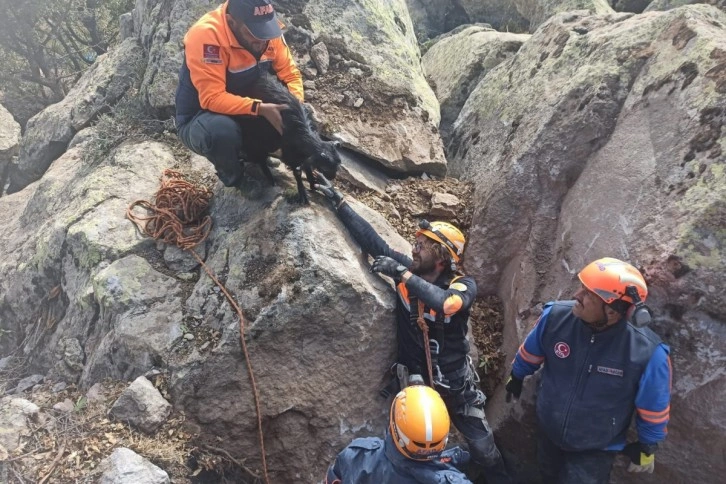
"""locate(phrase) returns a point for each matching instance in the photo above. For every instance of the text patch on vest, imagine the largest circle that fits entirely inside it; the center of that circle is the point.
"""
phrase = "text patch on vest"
(610, 371)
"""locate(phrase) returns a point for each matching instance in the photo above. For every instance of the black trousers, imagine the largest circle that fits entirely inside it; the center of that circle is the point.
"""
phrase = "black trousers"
(560, 467)
(486, 460)
(225, 140)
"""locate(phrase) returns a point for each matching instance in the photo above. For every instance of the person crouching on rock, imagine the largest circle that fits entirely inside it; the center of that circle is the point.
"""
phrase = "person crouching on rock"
(413, 448)
(433, 296)
(224, 53)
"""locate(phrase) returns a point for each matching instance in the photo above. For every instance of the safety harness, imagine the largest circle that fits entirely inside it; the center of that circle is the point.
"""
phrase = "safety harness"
(425, 330)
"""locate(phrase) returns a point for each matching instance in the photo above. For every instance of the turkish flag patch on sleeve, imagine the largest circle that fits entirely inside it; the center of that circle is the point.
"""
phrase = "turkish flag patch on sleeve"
(211, 54)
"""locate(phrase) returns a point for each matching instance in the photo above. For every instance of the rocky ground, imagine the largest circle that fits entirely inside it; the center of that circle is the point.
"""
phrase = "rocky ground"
(77, 426)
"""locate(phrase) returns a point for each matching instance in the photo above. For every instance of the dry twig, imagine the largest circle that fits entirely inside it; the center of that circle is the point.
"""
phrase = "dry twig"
(54, 463)
(239, 464)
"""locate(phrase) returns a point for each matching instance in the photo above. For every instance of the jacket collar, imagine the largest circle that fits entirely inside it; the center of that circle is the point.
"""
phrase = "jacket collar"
(231, 39)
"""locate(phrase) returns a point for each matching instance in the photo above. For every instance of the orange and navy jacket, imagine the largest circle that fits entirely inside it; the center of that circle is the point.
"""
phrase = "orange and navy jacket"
(593, 382)
(447, 303)
(217, 71)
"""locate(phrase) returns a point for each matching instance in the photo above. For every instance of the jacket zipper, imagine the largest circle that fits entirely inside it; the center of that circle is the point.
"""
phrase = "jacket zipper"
(577, 386)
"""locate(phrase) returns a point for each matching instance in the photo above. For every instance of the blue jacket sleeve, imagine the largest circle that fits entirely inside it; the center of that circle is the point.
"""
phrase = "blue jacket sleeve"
(367, 237)
(653, 399)
(530, 354)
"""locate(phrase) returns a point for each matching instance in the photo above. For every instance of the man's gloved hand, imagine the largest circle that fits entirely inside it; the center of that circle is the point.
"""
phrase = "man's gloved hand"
(324, 186)
(642, 457)
(388, 267)
(514, 387)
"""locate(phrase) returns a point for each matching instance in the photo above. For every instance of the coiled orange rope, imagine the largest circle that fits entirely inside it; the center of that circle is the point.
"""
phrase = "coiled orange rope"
(178, 217)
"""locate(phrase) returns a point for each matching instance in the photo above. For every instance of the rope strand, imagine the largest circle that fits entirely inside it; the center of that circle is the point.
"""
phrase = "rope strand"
(427, 348)
(178, 217)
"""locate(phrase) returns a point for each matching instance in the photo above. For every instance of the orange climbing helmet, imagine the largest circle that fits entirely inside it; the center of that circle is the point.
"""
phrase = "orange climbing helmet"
(419, 423)
(445, 234)
(610, 278)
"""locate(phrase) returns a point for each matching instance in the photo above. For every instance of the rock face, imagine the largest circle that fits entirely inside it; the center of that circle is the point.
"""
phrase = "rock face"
(142, 406)
(9, 138)
(311, 306)
(503, 15)
(538, 11)
(124, 466)
(634, 6)
(160, 26)
(434, 17)
(375, 57)
(455, 64)
(662, 5)
(312, 310)
(59, 239)
(594, 172)
(48, 133)
(130, 342)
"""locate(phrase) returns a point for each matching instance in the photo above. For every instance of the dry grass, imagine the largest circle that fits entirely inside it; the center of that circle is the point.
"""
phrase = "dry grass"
(68, 446)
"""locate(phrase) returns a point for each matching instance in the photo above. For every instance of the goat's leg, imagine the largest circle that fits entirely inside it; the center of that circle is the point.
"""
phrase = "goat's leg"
(302, 193)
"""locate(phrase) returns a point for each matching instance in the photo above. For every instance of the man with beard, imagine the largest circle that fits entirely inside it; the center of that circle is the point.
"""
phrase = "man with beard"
(224, 53)
(433, 296)
(599, 369)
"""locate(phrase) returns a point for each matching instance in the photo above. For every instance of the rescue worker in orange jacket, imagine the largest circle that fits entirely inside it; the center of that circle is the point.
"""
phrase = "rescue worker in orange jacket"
(430, 288)
(413, 449)
(224, 53)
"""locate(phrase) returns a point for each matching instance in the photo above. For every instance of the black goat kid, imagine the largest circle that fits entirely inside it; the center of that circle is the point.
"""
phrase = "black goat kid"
(302, 148)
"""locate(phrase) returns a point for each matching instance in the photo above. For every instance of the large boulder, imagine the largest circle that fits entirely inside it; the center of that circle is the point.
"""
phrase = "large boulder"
(160, 26)
(48, 133)
(434, 17)
(317, 323)
(9, 138)
(503, 15)
(455, 64)
(385, 109)
(634, 6)
(661, 5)
(595, 170)
(538, 11)
(60, 236)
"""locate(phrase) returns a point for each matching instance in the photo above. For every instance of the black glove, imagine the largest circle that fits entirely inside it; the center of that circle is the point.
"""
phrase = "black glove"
(324, 186)
(514, 387)
(388, 267)
(642, 457)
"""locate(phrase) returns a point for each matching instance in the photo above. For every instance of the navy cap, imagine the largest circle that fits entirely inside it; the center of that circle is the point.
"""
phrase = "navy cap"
(257, 15)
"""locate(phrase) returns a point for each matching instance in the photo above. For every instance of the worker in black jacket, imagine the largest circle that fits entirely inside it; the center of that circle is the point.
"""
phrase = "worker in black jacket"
(433, 296)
